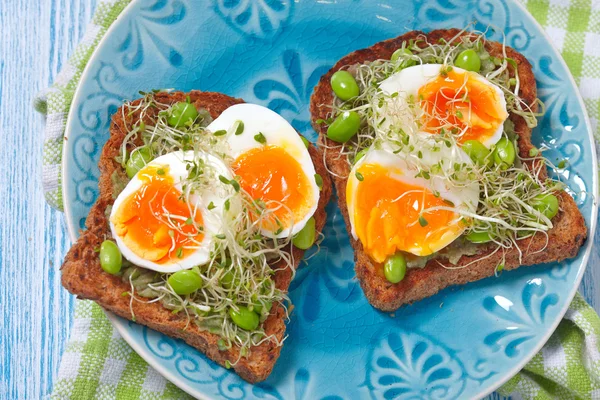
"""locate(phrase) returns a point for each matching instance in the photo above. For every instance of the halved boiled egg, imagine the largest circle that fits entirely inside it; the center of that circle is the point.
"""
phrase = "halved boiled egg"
(392, 207)
(273, 166)
(452, 99)
(156, 226)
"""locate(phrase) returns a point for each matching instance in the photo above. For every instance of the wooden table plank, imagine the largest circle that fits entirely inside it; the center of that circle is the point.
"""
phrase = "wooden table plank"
(590, 284)
(35, 312)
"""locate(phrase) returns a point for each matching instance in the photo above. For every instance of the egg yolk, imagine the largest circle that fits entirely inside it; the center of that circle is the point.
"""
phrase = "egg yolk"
(460, 100)
(391, 215)
(154, 222)
(269, 173)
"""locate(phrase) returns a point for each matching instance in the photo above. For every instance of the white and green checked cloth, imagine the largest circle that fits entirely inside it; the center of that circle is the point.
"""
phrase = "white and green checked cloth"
(98, 363)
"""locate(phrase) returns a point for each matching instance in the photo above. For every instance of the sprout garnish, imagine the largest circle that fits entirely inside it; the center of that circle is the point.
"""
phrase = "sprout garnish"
(504, 210)
(242, 261)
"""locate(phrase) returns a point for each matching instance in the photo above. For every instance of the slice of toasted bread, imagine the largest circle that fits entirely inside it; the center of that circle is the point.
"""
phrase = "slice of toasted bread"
(564, 239)
(83, 276)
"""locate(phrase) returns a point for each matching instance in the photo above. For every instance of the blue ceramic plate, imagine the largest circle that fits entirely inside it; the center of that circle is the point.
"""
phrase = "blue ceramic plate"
(465, 341)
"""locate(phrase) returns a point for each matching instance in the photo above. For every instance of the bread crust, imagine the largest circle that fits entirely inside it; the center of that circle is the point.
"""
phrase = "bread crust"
(83, 276)
(564, 239)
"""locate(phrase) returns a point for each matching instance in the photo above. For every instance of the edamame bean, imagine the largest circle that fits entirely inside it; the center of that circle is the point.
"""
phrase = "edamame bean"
(504, 153)
(406, 63)
(396, 55)
(344, 127)
(468, 60)
(244, 318)
(477, 152)
(547, 204)
(305, 141)
(227, 280)
(478, 237)
(258, 307)
(360, 155)
(344, 85)
(319, 181)
(395, 268)
(110, 257)
(137, 160)
(306, 237)
(185, 282)
(181, 113)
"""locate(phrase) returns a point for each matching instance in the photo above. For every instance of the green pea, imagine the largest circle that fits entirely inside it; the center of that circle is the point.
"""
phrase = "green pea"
(258, 307)
(547, 204)
(138, 159)
(406, 52)
(344, 127)
(477, 152)
(305, 141)
(468, 60)
(504, 153)
(344, 85)
(244, 318)
(360, 155)
(478, 237)
(110, 257)
(185, 282)
(306, 237)
(181, 113)
(395, 268)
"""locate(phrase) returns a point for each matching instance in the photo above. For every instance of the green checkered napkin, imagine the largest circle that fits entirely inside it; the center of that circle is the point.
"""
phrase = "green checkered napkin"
(99, 364)
(56, 101)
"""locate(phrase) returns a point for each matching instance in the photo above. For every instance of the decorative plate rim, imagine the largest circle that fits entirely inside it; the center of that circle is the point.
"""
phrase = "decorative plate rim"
(182, 384)
(594, 217)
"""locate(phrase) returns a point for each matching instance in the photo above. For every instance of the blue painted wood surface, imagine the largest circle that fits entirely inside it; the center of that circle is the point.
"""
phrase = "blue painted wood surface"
(35, 311)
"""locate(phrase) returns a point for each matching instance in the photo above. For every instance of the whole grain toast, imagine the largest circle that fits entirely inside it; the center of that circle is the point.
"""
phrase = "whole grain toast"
(83, 276)
(564, 239)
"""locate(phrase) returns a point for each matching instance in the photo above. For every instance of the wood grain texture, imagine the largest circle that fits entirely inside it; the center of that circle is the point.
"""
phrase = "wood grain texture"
(35, 312)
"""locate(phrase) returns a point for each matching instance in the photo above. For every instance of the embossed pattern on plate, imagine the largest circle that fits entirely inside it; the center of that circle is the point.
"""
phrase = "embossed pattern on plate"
(463, 342)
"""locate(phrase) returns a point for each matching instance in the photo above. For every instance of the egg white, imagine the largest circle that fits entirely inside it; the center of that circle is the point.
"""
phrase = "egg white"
(402, 168)
(277, 131)
(212, 219)
(408, 81)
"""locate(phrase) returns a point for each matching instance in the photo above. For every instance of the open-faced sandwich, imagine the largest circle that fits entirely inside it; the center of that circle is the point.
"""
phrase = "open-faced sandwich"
(428, 139)
(206, 207)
